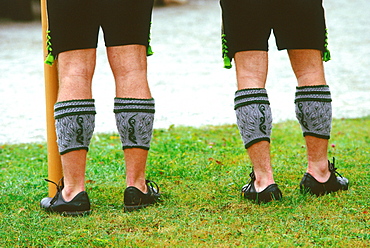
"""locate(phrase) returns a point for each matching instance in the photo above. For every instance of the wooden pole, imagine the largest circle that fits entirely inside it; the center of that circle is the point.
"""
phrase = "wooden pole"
(51, 90)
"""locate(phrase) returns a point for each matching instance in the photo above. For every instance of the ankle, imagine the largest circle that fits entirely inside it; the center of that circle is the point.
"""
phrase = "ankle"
(263, 180)
(139, 184)
(69, 193)
(319, 170)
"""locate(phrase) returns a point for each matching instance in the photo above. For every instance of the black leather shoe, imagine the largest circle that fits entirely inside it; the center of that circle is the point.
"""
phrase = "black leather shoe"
(335, 183)
(135, 199)
(78, 206)
(270, 193)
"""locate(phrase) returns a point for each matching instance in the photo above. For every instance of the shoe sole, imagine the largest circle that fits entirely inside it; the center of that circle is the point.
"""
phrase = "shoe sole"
(136, 207)
(77, 213)
(306, 190)
(273, 196)
(72, 213)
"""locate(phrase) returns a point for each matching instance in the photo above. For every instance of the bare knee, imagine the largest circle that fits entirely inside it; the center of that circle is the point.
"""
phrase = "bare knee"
(129, 67)
(77, 63)
(251, 69)
(307, 66)
(76, 70)
(129, 60)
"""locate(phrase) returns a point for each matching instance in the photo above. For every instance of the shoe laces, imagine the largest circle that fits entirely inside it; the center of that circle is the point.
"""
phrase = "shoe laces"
(253, 178)
(153, 186)
(333, 169)
(59, 185)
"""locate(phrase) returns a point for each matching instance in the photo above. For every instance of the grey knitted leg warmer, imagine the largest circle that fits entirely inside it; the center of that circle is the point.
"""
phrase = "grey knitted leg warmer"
(253, 113)
(75, 123)
(134, 119)
(314, 111)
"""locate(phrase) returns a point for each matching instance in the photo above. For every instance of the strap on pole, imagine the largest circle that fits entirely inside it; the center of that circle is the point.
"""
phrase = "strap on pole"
(51, 91)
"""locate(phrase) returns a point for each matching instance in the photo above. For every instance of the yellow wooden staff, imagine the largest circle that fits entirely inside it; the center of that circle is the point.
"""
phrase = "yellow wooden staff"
(51, 90)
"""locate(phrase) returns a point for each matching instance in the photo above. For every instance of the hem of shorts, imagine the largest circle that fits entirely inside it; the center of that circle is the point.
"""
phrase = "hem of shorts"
(300, 48)
(127, 44)
(55, 54)
(245, 50)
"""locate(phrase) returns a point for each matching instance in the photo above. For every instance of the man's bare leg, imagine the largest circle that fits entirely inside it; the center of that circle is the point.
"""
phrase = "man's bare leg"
(251, 72)
(76, 69)
(309, 70)
(129, 66)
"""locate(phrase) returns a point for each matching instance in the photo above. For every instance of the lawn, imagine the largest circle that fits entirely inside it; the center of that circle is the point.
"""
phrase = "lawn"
(200, 172)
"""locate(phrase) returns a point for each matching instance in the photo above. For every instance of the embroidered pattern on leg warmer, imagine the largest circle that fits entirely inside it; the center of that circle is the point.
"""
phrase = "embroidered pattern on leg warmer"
(75, 123)
(253, 113)
(134, 120)
(314, 111)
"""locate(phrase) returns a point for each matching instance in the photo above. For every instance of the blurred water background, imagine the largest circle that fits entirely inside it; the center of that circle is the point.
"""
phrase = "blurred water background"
(186, 72)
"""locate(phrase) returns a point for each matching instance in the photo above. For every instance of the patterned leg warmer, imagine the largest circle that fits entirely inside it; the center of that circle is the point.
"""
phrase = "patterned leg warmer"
(75, 123)
(253, 113)
(134, 119)
(313, 110)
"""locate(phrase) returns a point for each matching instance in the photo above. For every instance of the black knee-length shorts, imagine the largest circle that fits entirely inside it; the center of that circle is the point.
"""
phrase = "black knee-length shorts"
(75, 24)
(297, 24)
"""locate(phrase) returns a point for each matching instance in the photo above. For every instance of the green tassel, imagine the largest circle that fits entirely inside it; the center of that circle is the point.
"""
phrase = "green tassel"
(227, 62)
(326, 56)
(49, 59)
(149, 51)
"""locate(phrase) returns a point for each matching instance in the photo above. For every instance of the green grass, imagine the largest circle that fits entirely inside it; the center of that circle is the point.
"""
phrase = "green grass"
(200, 172)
